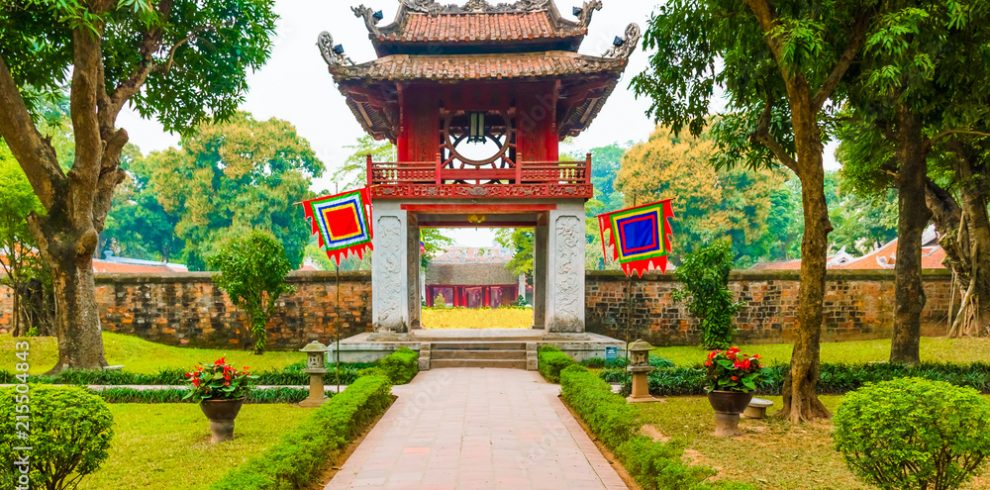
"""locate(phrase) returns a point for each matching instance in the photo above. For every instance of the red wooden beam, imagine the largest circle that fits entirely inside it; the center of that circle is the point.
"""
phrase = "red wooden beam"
(478, 208)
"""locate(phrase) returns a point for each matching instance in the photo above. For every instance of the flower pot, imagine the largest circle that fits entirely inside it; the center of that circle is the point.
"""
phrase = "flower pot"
(221, 414)
(728, 405)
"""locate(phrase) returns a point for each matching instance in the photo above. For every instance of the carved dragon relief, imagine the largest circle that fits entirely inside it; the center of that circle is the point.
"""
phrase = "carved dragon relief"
(627, 45)
(475, 7)
(370, 19)
(588, 10)
(333, 58)
(570, 268)
(388, 283)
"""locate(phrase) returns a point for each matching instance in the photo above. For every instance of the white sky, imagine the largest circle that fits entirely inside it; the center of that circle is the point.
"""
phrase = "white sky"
(296, 87)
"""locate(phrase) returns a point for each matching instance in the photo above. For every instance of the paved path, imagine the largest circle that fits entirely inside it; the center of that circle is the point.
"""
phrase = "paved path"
(474, 428)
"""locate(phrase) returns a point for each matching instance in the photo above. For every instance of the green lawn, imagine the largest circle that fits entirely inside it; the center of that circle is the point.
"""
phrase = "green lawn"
(168, 446)
(141, 356)
(771, 454)
(933, 349)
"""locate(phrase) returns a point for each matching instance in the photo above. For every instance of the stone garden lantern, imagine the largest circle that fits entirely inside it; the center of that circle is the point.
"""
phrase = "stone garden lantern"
(639, 366)
(316, 368)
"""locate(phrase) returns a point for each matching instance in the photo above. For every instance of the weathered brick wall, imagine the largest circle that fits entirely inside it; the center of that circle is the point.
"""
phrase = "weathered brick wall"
(187, 309)
(858, 305)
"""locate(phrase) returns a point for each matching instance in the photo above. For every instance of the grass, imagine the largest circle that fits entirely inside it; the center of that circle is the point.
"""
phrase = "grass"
(168, 446)
(771, 454)
(141, 356)
(468, 318)
(933, 349)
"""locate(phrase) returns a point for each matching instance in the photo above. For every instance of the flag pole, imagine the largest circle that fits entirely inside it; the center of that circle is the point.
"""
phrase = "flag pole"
(336, 306)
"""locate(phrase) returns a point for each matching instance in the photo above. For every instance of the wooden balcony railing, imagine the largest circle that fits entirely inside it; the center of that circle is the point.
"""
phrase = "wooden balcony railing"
(522, 173)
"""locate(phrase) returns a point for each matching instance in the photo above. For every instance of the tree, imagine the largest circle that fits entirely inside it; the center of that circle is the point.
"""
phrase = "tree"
(522, 241)
(137, 225)
(226, 178)
(434, 242)
(710, 203)
(916, 122)
(18, 259)
(705, 275)
(253, 268)
(780, 62)
(180, 60)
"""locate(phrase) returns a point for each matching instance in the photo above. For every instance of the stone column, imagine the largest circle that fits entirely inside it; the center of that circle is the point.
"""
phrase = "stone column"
(565, 269)
(414, 300)
(540, 275)
(390, 269)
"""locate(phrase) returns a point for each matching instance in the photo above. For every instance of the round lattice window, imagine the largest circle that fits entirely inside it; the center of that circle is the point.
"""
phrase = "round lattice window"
(478, 139)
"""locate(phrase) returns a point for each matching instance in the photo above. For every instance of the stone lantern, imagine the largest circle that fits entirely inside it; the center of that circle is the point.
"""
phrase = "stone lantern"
(316, 368)
(639, 366)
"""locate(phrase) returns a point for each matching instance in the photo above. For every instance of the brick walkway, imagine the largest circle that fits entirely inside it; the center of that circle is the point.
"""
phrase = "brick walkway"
(473, 428)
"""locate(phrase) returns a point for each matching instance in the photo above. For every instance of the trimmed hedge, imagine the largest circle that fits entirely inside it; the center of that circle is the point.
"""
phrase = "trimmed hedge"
(302, 455)
(654, 465)
(131, 395)
(400, 366)
(834, 379)
(292, 375)
(552, 361)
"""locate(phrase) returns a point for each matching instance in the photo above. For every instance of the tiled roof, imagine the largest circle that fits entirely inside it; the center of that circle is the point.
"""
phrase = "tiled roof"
(530, 26)
(478, 67)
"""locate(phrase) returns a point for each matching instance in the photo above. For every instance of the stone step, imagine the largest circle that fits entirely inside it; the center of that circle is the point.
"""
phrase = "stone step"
(478, 354)
(478, 363)
(478, 346)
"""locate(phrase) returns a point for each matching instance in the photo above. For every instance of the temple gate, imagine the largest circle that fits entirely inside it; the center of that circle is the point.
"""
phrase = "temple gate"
(476, 99)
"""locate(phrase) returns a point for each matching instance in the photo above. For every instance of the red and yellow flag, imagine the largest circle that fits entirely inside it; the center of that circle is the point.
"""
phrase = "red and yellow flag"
(638, 237)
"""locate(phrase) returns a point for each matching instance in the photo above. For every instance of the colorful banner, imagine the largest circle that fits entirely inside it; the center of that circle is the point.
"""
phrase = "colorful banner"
(343, 223)
(638, 237)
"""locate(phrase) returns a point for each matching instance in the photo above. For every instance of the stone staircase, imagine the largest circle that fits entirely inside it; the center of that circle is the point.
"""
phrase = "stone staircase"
(483, 354)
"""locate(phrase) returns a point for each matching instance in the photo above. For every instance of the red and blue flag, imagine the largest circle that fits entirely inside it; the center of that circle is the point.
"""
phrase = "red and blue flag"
(342, 222)
(638, 237)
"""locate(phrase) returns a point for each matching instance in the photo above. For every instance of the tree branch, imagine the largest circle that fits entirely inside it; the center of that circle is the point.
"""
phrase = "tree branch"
(967, 132)
(150, 44)
(768, 20)
(35, 155)
(762, 136)
(87, 56)
(856, 40)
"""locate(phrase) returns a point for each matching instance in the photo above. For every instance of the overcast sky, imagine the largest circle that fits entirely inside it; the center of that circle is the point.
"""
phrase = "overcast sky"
(296, 87)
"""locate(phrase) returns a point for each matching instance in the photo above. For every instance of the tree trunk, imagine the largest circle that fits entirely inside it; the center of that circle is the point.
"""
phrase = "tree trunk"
(909, 293)
(974, 311)
(801, 401)
(77, 318)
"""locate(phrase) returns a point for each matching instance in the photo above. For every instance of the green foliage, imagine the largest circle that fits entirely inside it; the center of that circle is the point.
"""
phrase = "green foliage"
(351, 174)
(300, 457)
(253, 269)
(218, 381)
(913, 433)
(552, 361)
(434, 242)
(705, 275)
(67, 429)
(654, 465)
(833, 379)
(400, 366)
(522, 242)
(178, 395)
(292, 375)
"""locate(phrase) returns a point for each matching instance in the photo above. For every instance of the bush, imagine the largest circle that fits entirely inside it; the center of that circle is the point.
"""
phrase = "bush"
(400, 366)
(68, 431)
(303, 454)
(913, 433)
(253, 268)
(705, 275)
(176, 395)
(655, 465)
(552, 361)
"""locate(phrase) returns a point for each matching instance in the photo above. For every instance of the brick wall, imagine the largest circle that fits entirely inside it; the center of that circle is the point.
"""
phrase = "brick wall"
(186, 309)
(858, 305)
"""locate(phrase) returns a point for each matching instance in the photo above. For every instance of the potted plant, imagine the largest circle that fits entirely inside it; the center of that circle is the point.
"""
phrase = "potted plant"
(732, 378)
(220, 390)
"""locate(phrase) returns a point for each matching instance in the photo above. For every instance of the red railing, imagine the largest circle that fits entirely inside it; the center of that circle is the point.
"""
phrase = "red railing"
(522, 173)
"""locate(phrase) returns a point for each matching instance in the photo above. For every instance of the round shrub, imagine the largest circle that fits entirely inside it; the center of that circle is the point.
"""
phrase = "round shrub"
(68, 433)
(912, 433)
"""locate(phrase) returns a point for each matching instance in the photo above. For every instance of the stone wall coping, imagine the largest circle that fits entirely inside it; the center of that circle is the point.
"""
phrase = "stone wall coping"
(296, 277)
(777, 275)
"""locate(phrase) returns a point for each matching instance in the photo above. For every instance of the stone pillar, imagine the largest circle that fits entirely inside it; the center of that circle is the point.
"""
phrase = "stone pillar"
(540, 275)
(414, 300)
(390, 269)
(565, 269)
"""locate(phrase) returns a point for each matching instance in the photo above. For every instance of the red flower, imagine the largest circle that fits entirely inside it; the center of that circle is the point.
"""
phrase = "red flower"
(189, 374)
(712, 354)
(733, 349)
(708, 363)
(195, 382)
(731, 355)
(735, 378)
(221, 361)
(756, 356)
